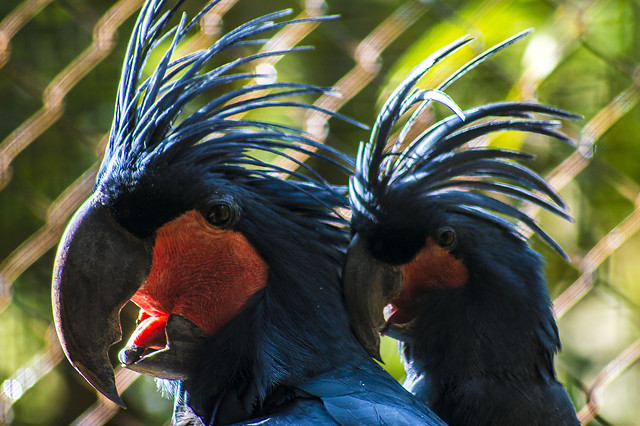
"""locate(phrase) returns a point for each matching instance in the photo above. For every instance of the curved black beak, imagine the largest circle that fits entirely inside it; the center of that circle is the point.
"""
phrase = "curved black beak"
(98, 268)
(369, 286)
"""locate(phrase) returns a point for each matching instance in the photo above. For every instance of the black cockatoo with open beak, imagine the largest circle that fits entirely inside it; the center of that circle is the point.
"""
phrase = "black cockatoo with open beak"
(235, 269)
(437, 259)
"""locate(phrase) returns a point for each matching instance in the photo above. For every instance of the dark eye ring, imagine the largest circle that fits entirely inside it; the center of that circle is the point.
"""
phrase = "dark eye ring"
(220, 214)
(447, 238)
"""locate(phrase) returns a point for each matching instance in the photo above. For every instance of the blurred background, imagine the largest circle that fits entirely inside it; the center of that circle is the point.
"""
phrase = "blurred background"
(59, 66)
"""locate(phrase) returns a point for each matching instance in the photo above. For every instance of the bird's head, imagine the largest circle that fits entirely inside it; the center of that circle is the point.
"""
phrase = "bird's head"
(429, 215)
(188, 220)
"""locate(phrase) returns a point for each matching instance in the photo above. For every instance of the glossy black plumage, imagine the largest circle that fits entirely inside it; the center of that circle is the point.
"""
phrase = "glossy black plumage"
(289, 355)
(478, 333)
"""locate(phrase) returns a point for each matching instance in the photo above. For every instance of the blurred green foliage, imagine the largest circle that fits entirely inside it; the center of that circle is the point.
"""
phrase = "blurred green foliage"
(582, 55)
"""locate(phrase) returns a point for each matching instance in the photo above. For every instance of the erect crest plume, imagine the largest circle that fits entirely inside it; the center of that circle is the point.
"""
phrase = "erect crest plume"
(146, 130)
(438, 168)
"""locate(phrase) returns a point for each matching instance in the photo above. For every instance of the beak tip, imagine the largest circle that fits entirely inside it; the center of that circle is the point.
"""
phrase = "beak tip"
(371, 343)
(112, 395)
(102, 379)
(118, 401)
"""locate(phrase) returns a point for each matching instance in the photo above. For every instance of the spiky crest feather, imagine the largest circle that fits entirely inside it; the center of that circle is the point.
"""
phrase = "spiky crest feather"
(436, 166)
(149, 128)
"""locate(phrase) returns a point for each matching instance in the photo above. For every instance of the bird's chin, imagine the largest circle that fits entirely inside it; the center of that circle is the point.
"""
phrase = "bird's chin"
(402, 332)
(174, 360)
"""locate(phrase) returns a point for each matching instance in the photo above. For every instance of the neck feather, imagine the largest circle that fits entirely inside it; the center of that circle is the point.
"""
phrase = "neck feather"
(500, 324)
(293, 329)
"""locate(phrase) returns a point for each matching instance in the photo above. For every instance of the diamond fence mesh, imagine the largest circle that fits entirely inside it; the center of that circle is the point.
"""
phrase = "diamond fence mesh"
(59, 65)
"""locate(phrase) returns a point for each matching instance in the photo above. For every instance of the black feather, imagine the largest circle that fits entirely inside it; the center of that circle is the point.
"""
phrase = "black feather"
(437, 163)
(474, 317)
(146, 131)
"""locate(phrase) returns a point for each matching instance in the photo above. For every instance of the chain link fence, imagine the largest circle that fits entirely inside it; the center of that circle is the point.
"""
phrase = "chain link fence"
(59, 62)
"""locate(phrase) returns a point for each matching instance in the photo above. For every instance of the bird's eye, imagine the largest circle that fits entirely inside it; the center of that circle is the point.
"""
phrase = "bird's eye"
(219, 214)
(447, 238)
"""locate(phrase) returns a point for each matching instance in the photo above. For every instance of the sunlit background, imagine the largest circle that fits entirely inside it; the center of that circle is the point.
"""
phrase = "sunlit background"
(59, 65)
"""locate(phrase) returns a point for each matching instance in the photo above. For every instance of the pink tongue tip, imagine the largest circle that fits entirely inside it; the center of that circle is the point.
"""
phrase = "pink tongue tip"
(150, 333)
(395, 315)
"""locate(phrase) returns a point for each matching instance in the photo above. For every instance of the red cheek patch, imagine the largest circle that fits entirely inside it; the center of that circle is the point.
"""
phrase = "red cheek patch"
(432, 268)
(198, 271)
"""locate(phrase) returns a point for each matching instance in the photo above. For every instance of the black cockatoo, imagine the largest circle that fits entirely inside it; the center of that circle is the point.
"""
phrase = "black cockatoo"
(235, 270)
(437, 259)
